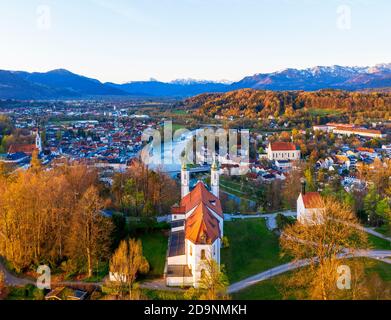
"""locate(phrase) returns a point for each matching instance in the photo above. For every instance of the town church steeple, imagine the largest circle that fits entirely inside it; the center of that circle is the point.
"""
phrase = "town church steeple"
(38, 141)
(185, 180)
(215, 179)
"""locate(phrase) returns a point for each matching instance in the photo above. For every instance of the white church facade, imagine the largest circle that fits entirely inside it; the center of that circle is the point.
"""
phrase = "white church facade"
(309, 207)
(196, 232)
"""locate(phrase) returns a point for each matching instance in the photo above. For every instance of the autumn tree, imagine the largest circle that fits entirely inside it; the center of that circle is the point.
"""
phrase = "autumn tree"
(3, 169)
(35, 163)
(214, 282)
(374, 288)
(310, 181)
(2, 282)
(378, 173)
(48, 205)
(90, 235)
(126, 263)
(334, 234)
(143, 192)
(292, 186)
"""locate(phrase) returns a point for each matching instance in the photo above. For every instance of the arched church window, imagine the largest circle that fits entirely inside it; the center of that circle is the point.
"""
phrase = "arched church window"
(203, 255)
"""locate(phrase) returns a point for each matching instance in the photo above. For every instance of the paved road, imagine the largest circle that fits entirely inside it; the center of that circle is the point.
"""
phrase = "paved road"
(159, 284)
(15, 281)
(270, 217)
(376, 234)
(382, 255)
(12, 280)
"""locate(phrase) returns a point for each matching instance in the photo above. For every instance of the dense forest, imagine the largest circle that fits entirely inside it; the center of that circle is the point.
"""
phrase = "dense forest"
(258, 104)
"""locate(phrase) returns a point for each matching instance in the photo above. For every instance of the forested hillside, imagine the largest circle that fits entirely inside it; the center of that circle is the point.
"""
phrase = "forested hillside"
(253, 104)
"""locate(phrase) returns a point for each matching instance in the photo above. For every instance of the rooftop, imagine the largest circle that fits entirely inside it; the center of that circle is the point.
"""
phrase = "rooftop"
(312, 200)
(283, 146)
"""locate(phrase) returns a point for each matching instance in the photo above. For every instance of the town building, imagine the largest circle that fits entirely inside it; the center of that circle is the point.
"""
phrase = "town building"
(283, 151)
(349, 129)
(362, 132)
(196, 231)
(309, 207)
(27, 149)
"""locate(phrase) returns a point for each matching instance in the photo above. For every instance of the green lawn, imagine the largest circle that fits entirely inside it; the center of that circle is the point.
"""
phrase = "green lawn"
(323, 112)
(163, 295)
(253, 249)
(273, 289)
(155, 249)
(235, 188)
(177, 126)
(179, 112)
(385, 229)
(379, 243)
(266, 290)
(28, 292)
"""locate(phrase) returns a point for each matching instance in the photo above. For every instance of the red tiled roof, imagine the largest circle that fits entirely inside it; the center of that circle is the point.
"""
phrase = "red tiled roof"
(252, 175)
(202, 227)
(201, 195)
(282, 146)
(178, 210)
(358, 130)
(344, 125)
(312, 200)
(362, 149)
(26, 148)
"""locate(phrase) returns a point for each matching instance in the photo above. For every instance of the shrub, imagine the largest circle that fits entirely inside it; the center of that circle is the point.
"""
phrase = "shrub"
(225, 242)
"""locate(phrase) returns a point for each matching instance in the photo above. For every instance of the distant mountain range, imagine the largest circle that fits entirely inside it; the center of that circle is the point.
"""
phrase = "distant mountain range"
(335, 77)
(63, 84)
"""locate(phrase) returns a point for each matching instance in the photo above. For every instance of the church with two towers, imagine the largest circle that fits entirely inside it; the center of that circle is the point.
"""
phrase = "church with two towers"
(196, 231)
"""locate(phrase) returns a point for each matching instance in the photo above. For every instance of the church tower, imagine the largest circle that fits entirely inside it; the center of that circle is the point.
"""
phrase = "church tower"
(38, 142)
(185, 180)
(215, 179)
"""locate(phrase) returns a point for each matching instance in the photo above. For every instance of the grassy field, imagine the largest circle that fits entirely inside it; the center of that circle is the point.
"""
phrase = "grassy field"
(235, 188)
(253, 249)
(163, 295)
(179, 112)
(273, 289)
(323, 112)
(266, 290)
(155, 249)
(379, 243)
(177, 126)
(28, 292)
(384, 230)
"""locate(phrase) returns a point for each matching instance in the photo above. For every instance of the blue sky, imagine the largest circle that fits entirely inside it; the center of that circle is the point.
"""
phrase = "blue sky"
(124, 40)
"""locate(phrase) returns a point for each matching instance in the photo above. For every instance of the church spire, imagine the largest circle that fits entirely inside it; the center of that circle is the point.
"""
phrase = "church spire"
(185, 180)
(38, 141)
(215, 179)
